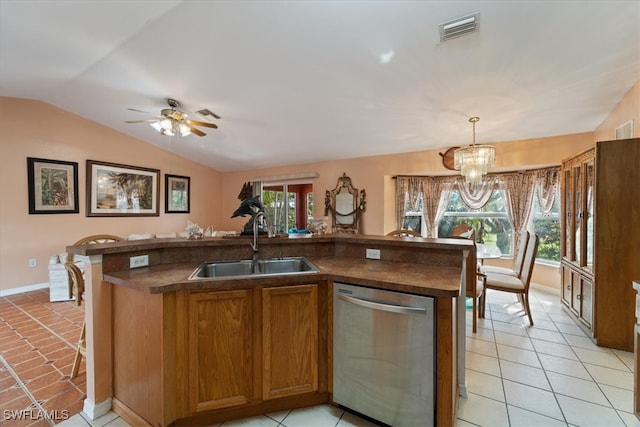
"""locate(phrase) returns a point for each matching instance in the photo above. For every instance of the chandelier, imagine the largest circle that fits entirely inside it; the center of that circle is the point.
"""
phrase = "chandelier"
(474, 161)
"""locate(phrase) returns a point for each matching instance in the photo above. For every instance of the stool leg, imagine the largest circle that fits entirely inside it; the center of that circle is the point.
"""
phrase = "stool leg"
(79, 352)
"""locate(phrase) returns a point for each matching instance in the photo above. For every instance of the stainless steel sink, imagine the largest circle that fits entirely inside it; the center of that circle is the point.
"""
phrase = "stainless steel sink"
(245, 268)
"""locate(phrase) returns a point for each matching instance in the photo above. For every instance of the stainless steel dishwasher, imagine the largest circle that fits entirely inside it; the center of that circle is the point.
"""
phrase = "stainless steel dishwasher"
(383, 355)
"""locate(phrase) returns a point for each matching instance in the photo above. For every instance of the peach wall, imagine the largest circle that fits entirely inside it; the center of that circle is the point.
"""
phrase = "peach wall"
(35, 129)
(374, 174)
(627, 109)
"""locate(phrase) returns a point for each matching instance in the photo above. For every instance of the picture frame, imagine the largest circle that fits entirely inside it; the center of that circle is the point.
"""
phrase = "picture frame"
(53, 186)
(177, 194)
(122, 190)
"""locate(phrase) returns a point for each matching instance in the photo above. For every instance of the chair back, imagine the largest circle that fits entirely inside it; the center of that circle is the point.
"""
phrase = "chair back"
(529, 261)
(404, 233)
(522, 247)
(464, 230)
(76, 281)
(94, 239)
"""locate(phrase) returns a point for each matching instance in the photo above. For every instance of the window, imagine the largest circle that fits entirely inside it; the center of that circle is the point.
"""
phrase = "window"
(288, 205)
(414, 220)
(547, 227)
(491, 222)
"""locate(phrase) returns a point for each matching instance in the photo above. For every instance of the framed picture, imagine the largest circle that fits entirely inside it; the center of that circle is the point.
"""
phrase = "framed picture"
(53, 186)
(122, 190)
(177, 193)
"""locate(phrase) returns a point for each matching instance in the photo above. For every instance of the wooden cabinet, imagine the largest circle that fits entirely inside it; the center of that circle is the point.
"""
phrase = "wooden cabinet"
(577, 186)
(600, 246)
(220, 349)
(289, 340)
(251, 345)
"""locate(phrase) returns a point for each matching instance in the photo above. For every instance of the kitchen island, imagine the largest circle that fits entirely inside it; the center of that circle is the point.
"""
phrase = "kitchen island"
(162, 349)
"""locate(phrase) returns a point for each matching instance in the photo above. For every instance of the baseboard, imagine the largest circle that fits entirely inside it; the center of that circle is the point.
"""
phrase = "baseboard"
(22, 289)
(94, 411)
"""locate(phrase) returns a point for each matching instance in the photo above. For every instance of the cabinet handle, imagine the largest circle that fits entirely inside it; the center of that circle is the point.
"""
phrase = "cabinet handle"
(578, 297)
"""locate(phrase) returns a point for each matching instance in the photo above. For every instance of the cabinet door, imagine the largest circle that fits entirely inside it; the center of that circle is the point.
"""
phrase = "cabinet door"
(567, 286)
(586, 309)
(577, 292)
(289, 340)
(589, 216)
(220, 343)
(578, 215)
(567, 207)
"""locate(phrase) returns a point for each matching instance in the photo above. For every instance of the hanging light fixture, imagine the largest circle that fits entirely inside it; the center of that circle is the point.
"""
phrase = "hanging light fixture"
(170, 126)
(474, 161)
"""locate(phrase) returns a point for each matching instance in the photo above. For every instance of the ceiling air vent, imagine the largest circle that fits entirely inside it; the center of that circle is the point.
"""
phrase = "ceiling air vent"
(459, 27)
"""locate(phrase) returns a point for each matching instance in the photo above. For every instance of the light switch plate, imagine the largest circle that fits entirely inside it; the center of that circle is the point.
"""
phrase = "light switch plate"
(138, 261)
(373, 253)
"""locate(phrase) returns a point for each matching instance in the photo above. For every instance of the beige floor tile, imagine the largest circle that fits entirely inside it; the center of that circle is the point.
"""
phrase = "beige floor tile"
(532, 399)
(612, 377)
(485, 385)
(564, 366)
(580, 413)
(481, 411)
(518, 355)
(586, 390)
(516, 372)
(519, 417)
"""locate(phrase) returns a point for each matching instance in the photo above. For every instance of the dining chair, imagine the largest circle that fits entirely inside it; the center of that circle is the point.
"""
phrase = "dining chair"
(94, 239)
(514, 284)
(474, 286)
(76, 289)
(463, 230)
(404, 232)
(517, 267)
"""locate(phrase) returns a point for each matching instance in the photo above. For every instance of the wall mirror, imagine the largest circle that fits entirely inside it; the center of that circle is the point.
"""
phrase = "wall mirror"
(346, 205)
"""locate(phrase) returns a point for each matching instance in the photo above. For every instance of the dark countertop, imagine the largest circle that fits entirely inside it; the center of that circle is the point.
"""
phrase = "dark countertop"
(396, 276)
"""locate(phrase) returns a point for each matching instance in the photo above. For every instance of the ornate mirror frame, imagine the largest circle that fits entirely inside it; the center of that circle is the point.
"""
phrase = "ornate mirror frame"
(346, 205)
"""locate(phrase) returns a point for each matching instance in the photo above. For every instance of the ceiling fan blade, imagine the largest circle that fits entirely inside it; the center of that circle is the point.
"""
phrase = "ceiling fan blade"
(195, 131)
(207, 112)
(206, 124)
(144, 112)
(141, 121)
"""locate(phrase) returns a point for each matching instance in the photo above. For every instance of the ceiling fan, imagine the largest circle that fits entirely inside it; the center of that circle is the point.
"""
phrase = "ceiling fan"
(172, 120)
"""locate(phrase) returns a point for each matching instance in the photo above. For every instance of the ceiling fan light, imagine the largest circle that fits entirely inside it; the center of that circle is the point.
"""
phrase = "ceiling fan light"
(184, 130)
(156, 126)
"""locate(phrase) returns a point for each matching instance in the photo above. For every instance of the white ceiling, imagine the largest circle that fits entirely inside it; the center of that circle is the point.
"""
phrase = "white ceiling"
(305, 81)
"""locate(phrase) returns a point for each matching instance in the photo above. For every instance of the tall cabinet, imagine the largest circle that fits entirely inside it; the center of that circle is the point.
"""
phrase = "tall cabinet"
(601, 239)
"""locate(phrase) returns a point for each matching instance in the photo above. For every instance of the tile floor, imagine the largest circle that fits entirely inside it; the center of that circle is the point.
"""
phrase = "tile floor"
(547, 375)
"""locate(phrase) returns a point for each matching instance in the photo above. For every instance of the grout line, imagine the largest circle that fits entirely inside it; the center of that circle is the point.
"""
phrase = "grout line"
(60, 337)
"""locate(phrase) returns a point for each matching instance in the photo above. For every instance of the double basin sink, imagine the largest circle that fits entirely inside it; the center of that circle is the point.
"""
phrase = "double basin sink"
(250, 268)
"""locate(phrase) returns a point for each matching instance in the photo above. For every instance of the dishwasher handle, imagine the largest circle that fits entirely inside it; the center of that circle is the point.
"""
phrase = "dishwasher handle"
(402, 309)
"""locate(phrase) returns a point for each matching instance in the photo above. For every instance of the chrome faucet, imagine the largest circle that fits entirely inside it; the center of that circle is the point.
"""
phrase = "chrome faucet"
(260, 214)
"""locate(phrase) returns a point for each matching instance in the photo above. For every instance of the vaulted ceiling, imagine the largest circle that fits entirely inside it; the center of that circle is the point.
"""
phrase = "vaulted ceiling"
(305, 81)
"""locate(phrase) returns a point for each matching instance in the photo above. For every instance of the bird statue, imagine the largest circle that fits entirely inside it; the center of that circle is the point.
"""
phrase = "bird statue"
(249, 206)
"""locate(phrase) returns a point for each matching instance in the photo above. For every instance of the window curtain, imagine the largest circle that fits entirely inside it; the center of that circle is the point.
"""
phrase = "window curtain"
(476, 194)
(519, 195)
(547, 183)
(436, 193)
(407, 188)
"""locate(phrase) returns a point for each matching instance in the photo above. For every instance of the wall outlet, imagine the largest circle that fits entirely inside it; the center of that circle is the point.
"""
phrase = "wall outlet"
(33, 262)
(373, 253)
(138, 261)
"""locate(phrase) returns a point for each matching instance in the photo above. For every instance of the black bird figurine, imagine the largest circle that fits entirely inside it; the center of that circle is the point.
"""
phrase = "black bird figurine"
(249, 206)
